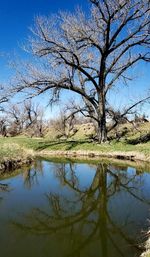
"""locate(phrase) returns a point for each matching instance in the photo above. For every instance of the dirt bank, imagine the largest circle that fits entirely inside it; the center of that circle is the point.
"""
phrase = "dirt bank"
(12, 164)
(132, 156)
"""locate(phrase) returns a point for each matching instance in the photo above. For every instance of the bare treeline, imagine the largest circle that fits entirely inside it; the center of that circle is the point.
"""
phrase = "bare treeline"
(29, 119)
(26, 118)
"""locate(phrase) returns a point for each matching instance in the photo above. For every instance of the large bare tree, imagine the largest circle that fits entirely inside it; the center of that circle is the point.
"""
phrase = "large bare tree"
(89, 54)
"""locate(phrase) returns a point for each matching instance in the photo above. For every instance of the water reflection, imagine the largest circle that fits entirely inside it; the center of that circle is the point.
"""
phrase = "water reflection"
(4, 187)
(30, 175)
(89, 219)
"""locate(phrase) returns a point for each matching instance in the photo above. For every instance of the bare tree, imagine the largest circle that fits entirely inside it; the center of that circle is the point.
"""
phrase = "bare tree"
(22, 118)
(33, 118)
(15, 119)
(59, 125)
(88, 54)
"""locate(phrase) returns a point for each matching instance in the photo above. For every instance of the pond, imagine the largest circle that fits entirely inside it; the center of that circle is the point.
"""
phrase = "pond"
(75, 209)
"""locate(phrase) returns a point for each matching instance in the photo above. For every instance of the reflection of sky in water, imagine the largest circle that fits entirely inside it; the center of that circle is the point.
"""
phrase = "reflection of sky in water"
(115, 199)
(85, 174)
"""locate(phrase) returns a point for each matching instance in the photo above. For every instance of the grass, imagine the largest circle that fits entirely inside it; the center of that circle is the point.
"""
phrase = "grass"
(61, 145)
(19, 146)
(13, 155)
(10, 150)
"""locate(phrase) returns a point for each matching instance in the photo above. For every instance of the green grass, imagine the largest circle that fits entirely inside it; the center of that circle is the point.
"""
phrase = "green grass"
(16, 147)
(75, 145)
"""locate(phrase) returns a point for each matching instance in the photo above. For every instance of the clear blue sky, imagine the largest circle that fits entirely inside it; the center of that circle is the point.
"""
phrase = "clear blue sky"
(16, 16)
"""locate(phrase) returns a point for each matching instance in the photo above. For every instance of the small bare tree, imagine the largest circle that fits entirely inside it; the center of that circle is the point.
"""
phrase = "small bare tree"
(15, 119)
(33, 115)
(24, 118)
(89, 54)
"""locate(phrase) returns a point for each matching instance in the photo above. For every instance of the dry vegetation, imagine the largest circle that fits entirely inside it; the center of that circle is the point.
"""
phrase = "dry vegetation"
(123, 132)
(13, 155)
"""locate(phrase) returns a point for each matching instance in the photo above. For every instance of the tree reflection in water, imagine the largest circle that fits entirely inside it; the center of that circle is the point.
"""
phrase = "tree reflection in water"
(30, 175)
(4, 188)
(83, 217)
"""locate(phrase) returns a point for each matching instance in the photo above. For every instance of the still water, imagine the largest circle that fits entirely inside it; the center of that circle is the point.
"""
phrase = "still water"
(67, 209)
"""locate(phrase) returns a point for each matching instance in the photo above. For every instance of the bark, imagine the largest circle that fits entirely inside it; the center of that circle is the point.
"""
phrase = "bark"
(102, 129)
(102, 135)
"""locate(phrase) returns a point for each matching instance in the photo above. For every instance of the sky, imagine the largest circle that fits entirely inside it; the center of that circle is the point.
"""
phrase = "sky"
(16, 16)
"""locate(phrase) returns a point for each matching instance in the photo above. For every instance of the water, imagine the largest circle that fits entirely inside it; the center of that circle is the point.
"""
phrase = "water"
(65, 209)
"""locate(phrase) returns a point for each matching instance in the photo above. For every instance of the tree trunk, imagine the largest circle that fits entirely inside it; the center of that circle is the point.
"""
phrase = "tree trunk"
(102, 129)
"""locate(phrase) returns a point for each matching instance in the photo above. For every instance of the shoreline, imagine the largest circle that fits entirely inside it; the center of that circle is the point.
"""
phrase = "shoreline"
(129, 156)
(9, 164)
(13, 164)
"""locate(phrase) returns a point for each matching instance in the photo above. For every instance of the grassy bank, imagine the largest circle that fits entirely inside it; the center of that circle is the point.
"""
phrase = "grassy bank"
(129, 147)
(13, 155)
(20, 145)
